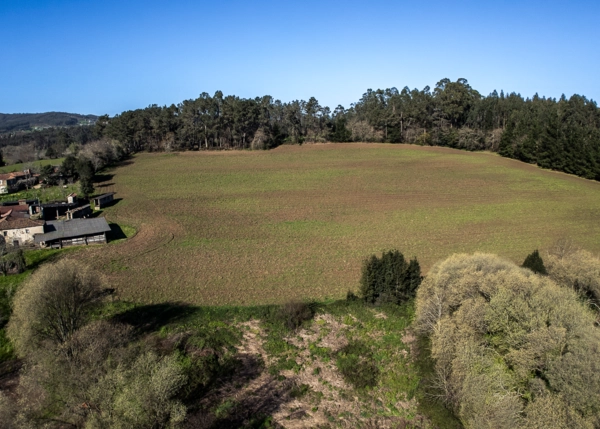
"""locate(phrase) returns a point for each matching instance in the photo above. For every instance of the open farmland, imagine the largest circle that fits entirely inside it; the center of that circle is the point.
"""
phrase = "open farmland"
(262, 227)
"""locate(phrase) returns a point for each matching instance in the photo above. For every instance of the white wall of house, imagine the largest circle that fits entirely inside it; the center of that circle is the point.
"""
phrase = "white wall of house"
(23, 235)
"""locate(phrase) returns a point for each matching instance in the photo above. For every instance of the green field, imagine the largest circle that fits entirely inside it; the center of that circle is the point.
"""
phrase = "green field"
(34, 164)
(262, 227)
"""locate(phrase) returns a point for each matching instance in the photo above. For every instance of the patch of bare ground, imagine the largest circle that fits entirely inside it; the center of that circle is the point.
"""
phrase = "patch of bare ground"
(313, 396)
(326, 399)
(249, 394)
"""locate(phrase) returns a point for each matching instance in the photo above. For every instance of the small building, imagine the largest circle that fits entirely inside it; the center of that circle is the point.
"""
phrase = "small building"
(103, 200)
(18, 230)
(72, 198)
(73, 232)
(79, 212)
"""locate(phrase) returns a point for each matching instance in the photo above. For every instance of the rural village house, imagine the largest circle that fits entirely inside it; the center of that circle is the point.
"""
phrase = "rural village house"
(19, 230)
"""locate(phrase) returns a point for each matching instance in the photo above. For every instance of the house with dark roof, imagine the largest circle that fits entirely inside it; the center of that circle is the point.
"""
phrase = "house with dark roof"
(19, 230)
(73, 232)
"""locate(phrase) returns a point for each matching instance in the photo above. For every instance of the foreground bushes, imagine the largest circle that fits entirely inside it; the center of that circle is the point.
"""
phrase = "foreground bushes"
(80, 372)
(512, 348)
(53, 304)
(576, 269)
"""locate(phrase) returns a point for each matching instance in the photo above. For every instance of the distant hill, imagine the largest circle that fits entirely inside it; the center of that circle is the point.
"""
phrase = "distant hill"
(11, 122)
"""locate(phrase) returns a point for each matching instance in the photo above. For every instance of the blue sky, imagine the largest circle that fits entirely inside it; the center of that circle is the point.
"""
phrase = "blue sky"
(108, 56)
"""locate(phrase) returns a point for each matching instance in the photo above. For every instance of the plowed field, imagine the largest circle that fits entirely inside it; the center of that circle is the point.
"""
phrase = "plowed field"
(262, 227)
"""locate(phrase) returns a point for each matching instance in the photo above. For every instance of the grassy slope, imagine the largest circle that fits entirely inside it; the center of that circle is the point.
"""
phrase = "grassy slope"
(35, 164)
(54, 193)
(262, 227)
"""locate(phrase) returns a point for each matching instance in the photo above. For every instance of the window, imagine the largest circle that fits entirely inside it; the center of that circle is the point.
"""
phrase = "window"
(27, 231)
(4, 232)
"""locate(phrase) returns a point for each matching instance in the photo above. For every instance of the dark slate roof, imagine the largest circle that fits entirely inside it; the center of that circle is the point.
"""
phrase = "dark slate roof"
(58, 205)
(108, 194)
(56, 229)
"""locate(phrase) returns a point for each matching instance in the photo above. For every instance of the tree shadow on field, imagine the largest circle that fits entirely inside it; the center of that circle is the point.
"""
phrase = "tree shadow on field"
(103, 177)
(149, 318)
(127, 161)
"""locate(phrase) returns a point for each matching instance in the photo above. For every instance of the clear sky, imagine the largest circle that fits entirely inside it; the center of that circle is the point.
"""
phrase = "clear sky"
(107, 56)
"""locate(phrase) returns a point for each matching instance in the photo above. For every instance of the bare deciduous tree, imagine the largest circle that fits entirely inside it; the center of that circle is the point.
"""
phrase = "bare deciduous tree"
(53, 304)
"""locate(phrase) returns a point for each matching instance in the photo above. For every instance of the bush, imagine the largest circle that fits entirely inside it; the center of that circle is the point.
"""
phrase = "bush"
(53, 304)
(508, 344)
(7, 412)
(389, 278)
(534, 262)
(578, 270)
(101, 378)
(140, 395)
(355, 363)
(294, 313)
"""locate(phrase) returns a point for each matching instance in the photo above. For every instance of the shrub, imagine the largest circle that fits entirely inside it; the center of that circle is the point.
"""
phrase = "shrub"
(508, 344)
(101, 378)
(294, 313)
(53, 304)
(7, 412)
(355, 363)
(578, 270)
(140, 395)
(534, 262)
(389, 278)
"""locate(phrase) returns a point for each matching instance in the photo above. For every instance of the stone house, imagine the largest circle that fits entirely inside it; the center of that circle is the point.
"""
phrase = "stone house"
(18, 230)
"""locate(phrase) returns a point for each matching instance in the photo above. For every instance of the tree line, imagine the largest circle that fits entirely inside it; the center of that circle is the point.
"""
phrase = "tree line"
(560, 134)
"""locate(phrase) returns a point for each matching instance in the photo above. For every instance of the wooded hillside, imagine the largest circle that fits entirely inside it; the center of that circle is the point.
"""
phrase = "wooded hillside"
(12, 122)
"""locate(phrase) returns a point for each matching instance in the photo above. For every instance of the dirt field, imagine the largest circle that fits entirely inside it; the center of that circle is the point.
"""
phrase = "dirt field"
(263, 227)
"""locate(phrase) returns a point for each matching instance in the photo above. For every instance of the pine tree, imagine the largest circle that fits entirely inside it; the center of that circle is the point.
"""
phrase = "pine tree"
(389, 278)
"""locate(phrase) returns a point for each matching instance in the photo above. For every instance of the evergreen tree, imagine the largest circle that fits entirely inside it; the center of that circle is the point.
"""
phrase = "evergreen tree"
(506, 141)
(389, 278)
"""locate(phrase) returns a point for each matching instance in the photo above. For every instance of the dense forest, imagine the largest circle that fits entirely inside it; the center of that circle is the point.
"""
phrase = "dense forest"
(560, 134)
